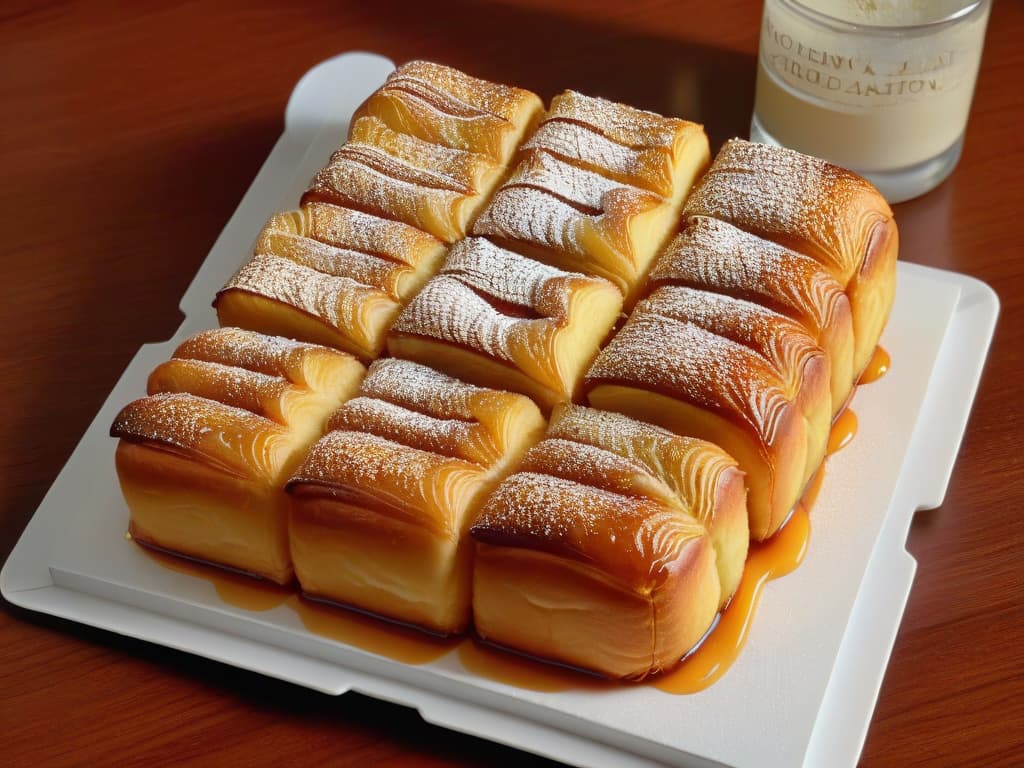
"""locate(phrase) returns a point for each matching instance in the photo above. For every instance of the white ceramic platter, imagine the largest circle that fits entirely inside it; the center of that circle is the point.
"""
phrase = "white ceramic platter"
(802, 691)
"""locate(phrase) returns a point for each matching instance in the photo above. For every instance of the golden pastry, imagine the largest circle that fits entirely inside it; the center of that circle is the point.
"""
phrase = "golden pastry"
(608, 547)
(715, 256)
(329, 275)
(730, 372)
(445, 106)
(598, 189)
(202, 460)
(498, 319)
(381, 506)
(399, 176)
(813, 207)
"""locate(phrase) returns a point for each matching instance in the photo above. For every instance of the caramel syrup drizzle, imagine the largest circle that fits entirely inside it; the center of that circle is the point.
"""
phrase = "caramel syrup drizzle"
(702, 667)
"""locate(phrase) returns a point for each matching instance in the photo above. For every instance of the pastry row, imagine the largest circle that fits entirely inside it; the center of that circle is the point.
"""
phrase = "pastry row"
(595, 540)
(463, 229)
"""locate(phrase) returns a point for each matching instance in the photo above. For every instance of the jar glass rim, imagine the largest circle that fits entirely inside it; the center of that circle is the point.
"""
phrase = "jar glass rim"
(820, 17)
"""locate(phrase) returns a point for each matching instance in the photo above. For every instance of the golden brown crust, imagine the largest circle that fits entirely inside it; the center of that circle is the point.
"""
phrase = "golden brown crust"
(715, 256)
(634, 539)
(443, 105)
(233, 440)
(508, 311)
(639, 148)
(381, 505)
(703, 479)
(329, 275)
(802, 202)
(425, 185)
(825, 212)
(573, 217)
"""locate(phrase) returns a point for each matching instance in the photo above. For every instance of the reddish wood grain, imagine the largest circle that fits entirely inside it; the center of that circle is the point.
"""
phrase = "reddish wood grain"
(128, 136)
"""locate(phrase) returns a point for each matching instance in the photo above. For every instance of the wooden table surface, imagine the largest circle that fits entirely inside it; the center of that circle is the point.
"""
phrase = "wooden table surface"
(129, 136)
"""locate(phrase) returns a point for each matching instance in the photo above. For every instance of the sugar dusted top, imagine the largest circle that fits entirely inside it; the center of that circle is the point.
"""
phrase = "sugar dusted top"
(717, 256)
(815, 207)
(633, 539)
(683, 360)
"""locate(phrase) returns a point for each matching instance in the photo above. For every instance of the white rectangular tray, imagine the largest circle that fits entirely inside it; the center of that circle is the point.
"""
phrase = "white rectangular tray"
(801, 692)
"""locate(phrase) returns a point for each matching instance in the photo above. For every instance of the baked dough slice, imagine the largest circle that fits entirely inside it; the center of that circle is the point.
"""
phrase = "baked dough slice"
(399, 176)
(715, 256)
(203, 459)
(381, 507)
(501, 320)
(598, 189)
(329, 275)
(445, 106)
(815, 208)
(611, 548)
(730, 372)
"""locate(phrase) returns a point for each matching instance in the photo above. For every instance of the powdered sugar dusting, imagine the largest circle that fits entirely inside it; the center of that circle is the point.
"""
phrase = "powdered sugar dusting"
(806, 203)
(419, 388)
(256, 392)
(369, 179)
(715, 255)
(626, 125)
(348, 229)
(339, 302)
(462, 305)
(782, 342)
(225, 435)
(681, 359)
(633, 539)
(272, 355)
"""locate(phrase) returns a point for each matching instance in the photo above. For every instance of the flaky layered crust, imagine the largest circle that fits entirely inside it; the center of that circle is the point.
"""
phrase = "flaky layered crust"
(578, 220)
(801, 364)
(445, 106)
(203, 458)
(695, 382)
(598, 189)
(629, 145)
(818, 209)
(381, 504)
(329, 275)
(622, 585)
(713, 255)
(499, 319)
(623, 455)
(398, 176)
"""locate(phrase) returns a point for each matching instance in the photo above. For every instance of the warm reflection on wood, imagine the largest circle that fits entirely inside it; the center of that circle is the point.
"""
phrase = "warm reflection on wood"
(384, 638)
(876, 368)
(235, 589)
(843, 430)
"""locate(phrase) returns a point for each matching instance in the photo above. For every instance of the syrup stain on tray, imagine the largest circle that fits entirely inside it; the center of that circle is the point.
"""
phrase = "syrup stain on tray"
(238, 590)
(844, 428)
(766, 561)
(376, 635)
(876, 368)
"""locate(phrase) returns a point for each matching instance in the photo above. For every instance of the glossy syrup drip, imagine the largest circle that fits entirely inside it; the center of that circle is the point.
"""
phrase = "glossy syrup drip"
(844, 428)
(384, 638)
(235, 589)
(876, 368)
(774, 558)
